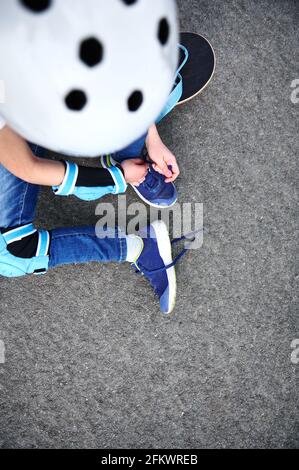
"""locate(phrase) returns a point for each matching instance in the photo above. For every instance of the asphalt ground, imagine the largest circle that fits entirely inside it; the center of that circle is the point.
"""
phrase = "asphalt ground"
(89, 360)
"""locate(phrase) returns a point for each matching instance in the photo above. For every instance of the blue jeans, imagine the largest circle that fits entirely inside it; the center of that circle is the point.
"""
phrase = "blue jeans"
(18, 201)
(132, 151)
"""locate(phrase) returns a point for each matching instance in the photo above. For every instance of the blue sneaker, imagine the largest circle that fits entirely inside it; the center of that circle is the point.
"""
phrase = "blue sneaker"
(156, 264)
(153, 191)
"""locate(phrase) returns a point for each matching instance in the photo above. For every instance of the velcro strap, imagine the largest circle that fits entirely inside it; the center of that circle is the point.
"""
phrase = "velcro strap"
(173, 99)
(68, 185)
(119, 180)
(185, 50)
(108, 161)
(19, 233)
(177, 92)
(110, 164)
(43, 243)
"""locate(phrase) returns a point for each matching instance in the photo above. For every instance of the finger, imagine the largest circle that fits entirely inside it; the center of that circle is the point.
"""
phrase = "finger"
(157, 169)
(142, 178)
(144, 173)
(137, 183)
(172, 179)
(165, 170)
(175, 170)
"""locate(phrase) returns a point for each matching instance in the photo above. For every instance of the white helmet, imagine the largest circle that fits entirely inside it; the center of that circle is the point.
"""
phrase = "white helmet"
(85, 77)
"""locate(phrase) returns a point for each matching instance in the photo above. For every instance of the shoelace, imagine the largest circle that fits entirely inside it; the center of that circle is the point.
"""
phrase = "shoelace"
(176, 260)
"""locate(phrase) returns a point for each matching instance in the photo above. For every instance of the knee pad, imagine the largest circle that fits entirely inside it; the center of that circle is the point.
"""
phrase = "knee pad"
(24, 250)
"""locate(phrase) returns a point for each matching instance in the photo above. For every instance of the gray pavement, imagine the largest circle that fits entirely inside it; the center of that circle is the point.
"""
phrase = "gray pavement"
(91, 363)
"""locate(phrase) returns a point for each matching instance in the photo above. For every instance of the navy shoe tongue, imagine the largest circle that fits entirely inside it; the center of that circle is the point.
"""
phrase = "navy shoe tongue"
(153, 178)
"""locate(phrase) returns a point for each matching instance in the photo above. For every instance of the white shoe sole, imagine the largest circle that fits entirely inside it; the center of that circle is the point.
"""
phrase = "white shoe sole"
(164, 247)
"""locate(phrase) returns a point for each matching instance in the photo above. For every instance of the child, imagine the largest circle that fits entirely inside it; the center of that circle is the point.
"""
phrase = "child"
(24, 250)
(35, 111)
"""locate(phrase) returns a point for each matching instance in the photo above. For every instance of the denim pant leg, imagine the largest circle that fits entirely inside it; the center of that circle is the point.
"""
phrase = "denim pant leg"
(132, 151)
(18, 201)
(80, 245)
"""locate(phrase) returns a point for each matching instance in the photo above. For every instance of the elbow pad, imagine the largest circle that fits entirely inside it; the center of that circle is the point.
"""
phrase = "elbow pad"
(76, 182)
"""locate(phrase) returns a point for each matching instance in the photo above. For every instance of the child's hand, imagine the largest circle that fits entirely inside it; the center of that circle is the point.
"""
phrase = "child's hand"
(165, 162)
(135, 171)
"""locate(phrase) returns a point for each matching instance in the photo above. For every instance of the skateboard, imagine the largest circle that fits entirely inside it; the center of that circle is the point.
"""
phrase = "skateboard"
(195, 71)
(198, 67)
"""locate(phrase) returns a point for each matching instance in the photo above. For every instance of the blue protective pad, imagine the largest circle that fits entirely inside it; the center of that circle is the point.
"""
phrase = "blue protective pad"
(68, 186)
(11, 266)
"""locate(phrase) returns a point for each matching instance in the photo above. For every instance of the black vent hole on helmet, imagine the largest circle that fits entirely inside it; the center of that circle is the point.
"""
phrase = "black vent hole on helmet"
(76, 100)
(129, 2)
(135, 101)
(36, 6)
(91, 51)
(163, 31)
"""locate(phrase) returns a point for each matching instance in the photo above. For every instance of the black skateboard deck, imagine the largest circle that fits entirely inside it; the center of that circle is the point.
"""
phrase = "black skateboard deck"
(199, 68)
